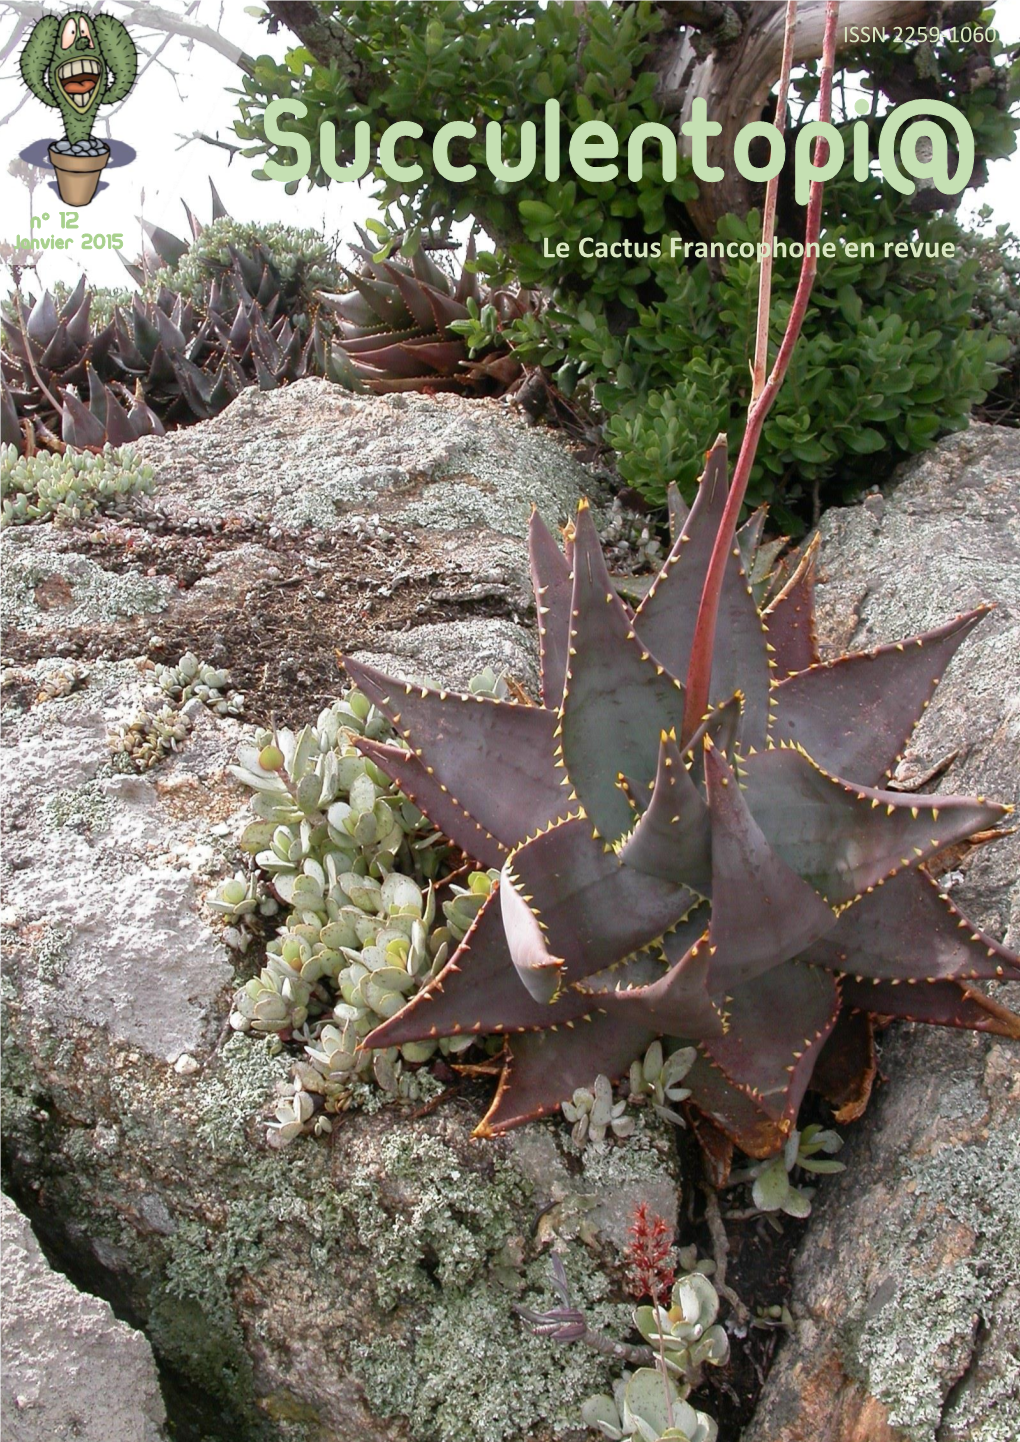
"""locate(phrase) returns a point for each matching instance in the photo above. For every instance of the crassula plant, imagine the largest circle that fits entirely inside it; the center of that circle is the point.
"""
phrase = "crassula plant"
(694, 829)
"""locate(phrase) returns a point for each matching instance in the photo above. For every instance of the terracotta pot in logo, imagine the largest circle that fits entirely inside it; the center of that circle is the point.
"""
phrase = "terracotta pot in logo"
(77, 175)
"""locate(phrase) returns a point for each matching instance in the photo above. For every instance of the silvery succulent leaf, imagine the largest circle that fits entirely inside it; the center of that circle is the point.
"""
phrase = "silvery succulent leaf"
(384, 1069)
(696, 1298)
(418, 1051)
(649, 1401)
(600, 1412)
(602, 1110)
(674, 1069)
(652, 1063)
(797, 1203)
(771, 1186)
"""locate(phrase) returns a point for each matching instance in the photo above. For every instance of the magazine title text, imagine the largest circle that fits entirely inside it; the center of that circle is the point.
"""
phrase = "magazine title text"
(921, 150)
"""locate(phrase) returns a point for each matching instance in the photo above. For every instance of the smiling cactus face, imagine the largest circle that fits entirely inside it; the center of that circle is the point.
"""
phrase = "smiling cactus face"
(77, 73)
(77, 62)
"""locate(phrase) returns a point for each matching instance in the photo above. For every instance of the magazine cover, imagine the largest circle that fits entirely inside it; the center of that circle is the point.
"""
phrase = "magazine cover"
(510, 551)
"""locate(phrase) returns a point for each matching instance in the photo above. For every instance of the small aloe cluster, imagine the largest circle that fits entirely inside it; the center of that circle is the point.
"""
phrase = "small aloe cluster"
(357, 866)
(398, 326)
(168, 357)
(49, 487)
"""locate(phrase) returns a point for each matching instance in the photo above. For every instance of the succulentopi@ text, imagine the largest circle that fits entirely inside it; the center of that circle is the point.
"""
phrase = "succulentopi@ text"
(754, 890)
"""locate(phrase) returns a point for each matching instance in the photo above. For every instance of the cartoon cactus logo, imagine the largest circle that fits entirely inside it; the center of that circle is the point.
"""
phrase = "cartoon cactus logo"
(76, 63)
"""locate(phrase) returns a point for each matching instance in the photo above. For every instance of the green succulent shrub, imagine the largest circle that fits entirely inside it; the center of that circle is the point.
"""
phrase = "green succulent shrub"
(889, 360)
(661, 348)
(299, 262)
(369, 913)
(996, 254)
(49, 487)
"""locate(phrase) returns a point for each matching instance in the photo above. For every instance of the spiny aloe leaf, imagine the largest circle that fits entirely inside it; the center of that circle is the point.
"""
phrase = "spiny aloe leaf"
(762, 912)
(617, 699)
(722, 726)
(673, 839)
(78, 426)
(778, 1024)
(382, 384)
(749, 537)
(908, 929)
(219, 210)
(651, 964)
(678, 586)
(855, 715)
(355, 312)
(553, 587)
(843, 838)
(732, 1110)
(641, 969)
(666, 618)
(405, 361)
(43, 320)
(939, 1003)
(544, 1068)
(593, 909)
(169, 248)
(477, 991)
(467, 282)
(845, 1070)
(494, 757)
(677, 509)
(445, 308)
(432, 797)
(677, 1003)
(540, 972)
(791, 619)
(61, 350)
(413, 295)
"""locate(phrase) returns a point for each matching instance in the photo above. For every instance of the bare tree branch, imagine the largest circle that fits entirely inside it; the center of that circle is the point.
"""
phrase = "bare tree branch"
(140, 14)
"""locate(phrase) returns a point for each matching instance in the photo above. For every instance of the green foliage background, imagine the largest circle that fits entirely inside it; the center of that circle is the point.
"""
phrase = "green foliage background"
(891, 356)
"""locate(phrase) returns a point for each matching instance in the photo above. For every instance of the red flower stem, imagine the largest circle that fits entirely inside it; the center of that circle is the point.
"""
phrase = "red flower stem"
(768, 226)
(699, 673)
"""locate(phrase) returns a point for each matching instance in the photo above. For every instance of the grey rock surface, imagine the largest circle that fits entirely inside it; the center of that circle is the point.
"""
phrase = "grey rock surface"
(313, 453)
(103, 870)
(309, 513)
(905, 1292)
(71, 1371)
(45, 586)
(450, 652)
